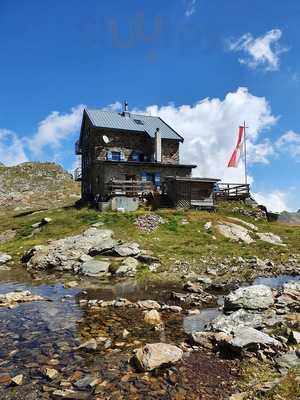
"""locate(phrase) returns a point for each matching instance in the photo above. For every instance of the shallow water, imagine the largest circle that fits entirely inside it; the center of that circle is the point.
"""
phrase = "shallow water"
(47, 334)
(275, 281)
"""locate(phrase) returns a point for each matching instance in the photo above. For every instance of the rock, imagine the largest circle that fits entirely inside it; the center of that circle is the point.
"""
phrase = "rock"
(208, 340)
(103, 247)
(193, 312)
(155, 355)
(251, 297)
(206, 280)
(128, 267)
(5, 379)
(17, 380)
(7, 235)
(241, 317)
(239, 396)
(247, 224)
(193, 287)
(44, 221)
(70, 395)
(204, 339)
(235, 232)
(11, 299)
(64, 254)
(287, 361)
(86, 382)
(194, 299)
(148, 304)
(171, 308)
(294, 337)
(89, 345)
(127, 249)
(289, 296)
(147, 259)
(71, 284)
(94, 268)
(208, 226)
(125, 333)
(152, 317)
(227, 323)
(50, 373)
(270, 238)
(247, 338)
(4, 258)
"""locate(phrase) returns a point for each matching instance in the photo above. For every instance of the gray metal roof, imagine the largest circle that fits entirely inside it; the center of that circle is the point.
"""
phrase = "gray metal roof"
(148, 124)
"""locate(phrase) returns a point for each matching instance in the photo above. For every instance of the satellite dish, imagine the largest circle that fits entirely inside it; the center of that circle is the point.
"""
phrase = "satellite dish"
(105, 139)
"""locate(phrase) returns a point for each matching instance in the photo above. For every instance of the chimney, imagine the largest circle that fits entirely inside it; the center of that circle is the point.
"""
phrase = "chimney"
(126, 113)
(157, 146)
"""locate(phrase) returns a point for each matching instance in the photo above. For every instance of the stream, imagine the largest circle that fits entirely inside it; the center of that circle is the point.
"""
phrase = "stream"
(39, 335)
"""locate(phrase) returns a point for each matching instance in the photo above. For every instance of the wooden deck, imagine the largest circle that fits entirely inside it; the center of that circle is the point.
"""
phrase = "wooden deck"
(232, 191)
(129, 188)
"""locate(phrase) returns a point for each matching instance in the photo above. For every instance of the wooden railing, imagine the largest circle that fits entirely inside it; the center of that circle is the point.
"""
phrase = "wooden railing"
(232, 191)
(128, 188)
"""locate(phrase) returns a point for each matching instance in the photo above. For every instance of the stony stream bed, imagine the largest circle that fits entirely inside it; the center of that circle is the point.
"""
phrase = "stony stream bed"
(39, 337)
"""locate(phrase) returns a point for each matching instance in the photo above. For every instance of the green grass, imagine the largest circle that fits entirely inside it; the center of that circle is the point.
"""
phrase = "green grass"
(255, 374)
(171, 241)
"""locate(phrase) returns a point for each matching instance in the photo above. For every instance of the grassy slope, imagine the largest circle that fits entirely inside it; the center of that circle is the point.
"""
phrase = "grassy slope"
(171, 241)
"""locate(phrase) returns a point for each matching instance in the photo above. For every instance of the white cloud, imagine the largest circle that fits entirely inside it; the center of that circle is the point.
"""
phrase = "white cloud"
(289, 143)
(276, 201)
(210, 130)
(116, 106)
(262, 51)
(190, 7)
(11, 148)
(54, 129)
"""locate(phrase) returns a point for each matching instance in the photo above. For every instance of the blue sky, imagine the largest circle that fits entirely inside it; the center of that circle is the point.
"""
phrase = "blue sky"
(161, 56)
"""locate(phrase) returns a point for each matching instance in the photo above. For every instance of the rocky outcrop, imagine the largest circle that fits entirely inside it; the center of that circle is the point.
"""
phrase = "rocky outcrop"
(235, 232)
(73, 254)
(34, 185)
(252, 297)
(156, 355)
(64, 254)
(269, 237)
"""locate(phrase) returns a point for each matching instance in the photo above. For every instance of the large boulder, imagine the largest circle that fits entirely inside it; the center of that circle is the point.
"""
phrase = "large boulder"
(256, 297)
(235, 232)
(128, 267)
(94, 268)
(247, 338)
(155, 355)
(269, 237)
(64, 254)
(227, 323)
(127, 249)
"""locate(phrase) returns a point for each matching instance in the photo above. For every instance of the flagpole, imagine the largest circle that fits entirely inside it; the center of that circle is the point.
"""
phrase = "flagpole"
(245, 152)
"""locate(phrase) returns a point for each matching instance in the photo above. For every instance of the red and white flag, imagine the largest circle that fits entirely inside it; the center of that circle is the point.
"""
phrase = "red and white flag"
(234, 160)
